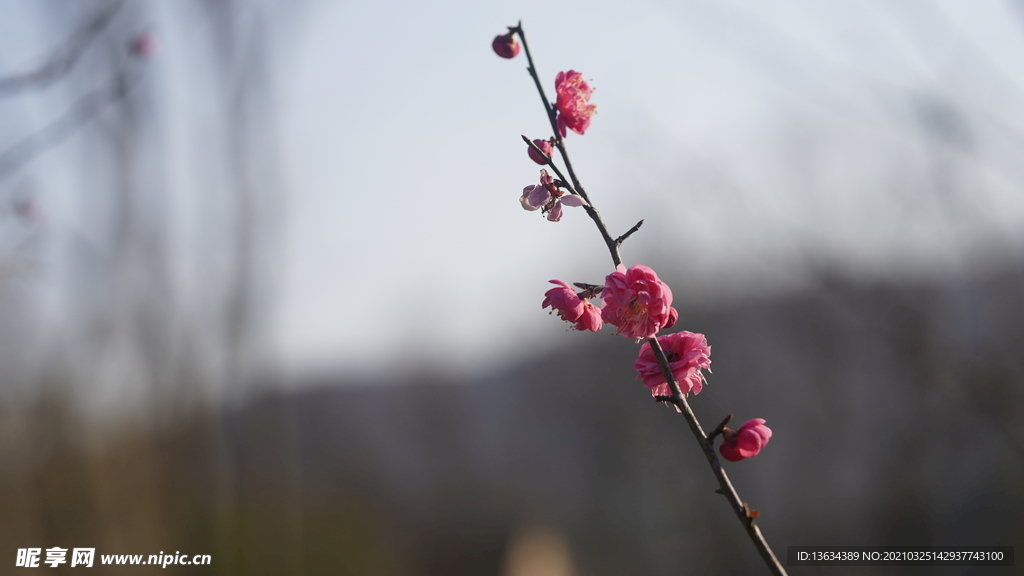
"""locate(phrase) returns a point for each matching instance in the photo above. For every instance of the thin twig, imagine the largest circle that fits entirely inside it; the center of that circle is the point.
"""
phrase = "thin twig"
(553, 166)
(64, 59)
(621, 239)
(708, 447)
(84, 110)
(720, 428)
(552, 114)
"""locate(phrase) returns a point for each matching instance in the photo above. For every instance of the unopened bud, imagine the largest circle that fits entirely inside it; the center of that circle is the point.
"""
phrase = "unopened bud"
(544, 146)
(506, 45)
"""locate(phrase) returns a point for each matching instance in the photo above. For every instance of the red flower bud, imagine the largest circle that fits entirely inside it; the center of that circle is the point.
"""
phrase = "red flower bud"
(506, 45)
(544, 146)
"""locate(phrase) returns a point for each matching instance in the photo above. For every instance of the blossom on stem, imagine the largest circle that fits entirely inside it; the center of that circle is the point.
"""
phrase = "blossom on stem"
(544, 146)
(637, 302)
(548, 196)
(746, 442)
(687, 354)
(573, 102)
(506, 45)
(571, 308)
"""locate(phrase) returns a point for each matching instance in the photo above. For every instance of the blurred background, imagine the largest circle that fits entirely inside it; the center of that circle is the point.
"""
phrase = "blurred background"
(266, 291)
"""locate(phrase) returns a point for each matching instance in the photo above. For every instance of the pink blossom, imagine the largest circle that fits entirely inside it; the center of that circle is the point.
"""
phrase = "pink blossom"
(573, 102)
(746, 442)
(571, 307)
(590, 319)
(506, 45)
(687, 354)
(544, 146)
(548, 196)
(637, 302)
(144, 45)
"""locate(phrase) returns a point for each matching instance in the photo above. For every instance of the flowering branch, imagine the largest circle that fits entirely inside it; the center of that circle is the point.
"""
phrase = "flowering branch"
(552, 113)
(636, 301)
(707, 444)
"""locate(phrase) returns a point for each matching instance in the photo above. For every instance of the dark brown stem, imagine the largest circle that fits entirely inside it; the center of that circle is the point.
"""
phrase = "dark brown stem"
(552, 165)
(720, 428)
(621, 239)
(708, 446)
(552, 114)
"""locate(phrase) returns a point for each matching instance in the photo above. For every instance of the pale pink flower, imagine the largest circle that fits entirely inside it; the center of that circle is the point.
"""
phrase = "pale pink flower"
(544, 146)
(746, 442)
(571, 308)
(548, 196)
(144, 44)
(506, 45)
(637, 302)
(573, 102)
(687, 354)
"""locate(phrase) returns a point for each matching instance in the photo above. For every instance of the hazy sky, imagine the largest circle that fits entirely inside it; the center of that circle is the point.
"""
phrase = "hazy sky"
(758, 140)
(883, 136)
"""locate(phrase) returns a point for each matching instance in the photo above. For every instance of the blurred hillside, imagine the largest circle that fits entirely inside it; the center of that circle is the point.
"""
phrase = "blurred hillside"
(896, 410)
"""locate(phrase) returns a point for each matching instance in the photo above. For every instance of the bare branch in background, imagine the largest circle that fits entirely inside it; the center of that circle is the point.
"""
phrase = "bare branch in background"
(87, 108)
(64, 59)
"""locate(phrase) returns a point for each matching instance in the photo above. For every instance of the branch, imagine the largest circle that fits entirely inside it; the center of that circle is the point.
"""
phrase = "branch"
(63, 60)
(84, 110)
(551, 164)
(552, 114)
(743, 512)
(720, 428)
(621, 239)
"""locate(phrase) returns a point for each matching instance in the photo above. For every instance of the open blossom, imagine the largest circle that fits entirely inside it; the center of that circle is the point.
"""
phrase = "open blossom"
(687, 354)
(637, 302)
(746, 442)
(506, 45)
(573, 102)
(545, 147)
(571, 308)
(548, 196)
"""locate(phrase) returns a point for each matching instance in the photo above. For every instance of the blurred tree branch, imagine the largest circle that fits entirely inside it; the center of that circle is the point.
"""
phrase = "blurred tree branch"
(65, 58)
(85, 109)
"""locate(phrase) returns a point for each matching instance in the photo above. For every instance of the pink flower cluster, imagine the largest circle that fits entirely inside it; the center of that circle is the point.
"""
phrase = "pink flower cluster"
(573, 102)
(687, 354)
(546, 195)
(637, 302)
(746, 442)
(572, 308)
